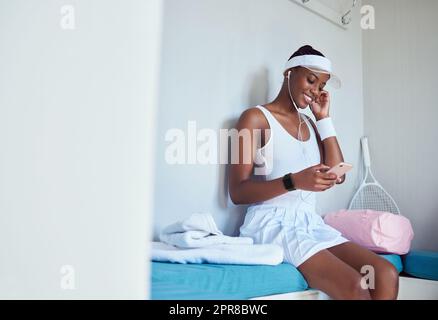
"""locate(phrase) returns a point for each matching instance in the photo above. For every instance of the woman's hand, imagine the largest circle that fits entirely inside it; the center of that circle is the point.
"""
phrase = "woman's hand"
(321, 106)
(314, 179)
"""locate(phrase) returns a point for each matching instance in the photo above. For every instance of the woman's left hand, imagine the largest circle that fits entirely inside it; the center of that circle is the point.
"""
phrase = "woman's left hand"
(321, 106)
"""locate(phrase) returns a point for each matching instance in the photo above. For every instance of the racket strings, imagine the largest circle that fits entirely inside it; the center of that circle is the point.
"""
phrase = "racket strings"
(373, 197)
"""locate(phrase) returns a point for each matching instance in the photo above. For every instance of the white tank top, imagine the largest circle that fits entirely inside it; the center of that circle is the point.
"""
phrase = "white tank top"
(282, 154)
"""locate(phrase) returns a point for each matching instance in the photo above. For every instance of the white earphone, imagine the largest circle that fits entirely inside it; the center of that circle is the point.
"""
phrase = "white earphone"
(299, 130)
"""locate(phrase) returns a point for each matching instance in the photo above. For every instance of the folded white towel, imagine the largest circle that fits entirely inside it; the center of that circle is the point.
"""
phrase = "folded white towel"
(198, 231)
(255, 254)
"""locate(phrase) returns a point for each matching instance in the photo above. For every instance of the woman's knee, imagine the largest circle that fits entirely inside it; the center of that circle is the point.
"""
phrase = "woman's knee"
(387, 282)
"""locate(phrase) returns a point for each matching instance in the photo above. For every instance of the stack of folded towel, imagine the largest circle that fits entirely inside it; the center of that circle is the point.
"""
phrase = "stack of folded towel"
(198, 240)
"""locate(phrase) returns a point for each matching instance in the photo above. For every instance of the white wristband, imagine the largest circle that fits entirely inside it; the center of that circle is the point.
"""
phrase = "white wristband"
(325, 128)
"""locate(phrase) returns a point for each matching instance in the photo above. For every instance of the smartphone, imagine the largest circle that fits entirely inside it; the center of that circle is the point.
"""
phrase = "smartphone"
(341, 169)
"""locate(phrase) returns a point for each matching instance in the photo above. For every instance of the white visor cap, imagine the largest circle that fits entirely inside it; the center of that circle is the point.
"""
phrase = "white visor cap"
(316, 64)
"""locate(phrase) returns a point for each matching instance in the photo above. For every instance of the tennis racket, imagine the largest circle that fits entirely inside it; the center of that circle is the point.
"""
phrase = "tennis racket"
(371, 195)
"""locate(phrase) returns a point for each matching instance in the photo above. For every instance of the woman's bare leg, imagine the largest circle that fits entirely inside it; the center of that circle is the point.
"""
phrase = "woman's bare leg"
(386, 275)
(326, 272)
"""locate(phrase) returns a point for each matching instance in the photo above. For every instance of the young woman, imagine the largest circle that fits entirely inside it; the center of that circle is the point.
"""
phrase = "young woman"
(291, 161)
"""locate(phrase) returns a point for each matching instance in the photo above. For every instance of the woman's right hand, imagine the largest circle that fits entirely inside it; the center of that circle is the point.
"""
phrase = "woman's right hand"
(314, 179)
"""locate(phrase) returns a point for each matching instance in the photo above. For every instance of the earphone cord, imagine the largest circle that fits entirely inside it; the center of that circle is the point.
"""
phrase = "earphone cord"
(300, 137)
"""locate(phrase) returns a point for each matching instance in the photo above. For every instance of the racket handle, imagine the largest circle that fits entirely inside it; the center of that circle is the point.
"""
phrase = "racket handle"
(365, 152)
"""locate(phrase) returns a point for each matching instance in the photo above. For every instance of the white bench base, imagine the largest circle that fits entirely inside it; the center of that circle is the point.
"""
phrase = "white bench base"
(409, 289)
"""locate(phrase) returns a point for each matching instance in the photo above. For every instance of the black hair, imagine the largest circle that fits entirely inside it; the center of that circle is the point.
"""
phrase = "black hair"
(305, 50)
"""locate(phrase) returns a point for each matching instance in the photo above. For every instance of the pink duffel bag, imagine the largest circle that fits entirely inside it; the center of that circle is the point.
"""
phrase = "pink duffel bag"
(381, 232)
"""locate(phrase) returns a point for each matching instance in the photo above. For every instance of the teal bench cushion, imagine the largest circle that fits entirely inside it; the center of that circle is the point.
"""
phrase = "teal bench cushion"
(173, 281)
(421, 264)
(395, 260)
(222, 282)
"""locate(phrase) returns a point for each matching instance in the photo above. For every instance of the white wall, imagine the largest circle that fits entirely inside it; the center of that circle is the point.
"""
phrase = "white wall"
(401, 109)
(76, 115)
(222, 57)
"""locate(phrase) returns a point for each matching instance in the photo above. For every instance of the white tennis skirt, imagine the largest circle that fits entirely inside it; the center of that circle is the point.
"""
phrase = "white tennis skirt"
(300, 233)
